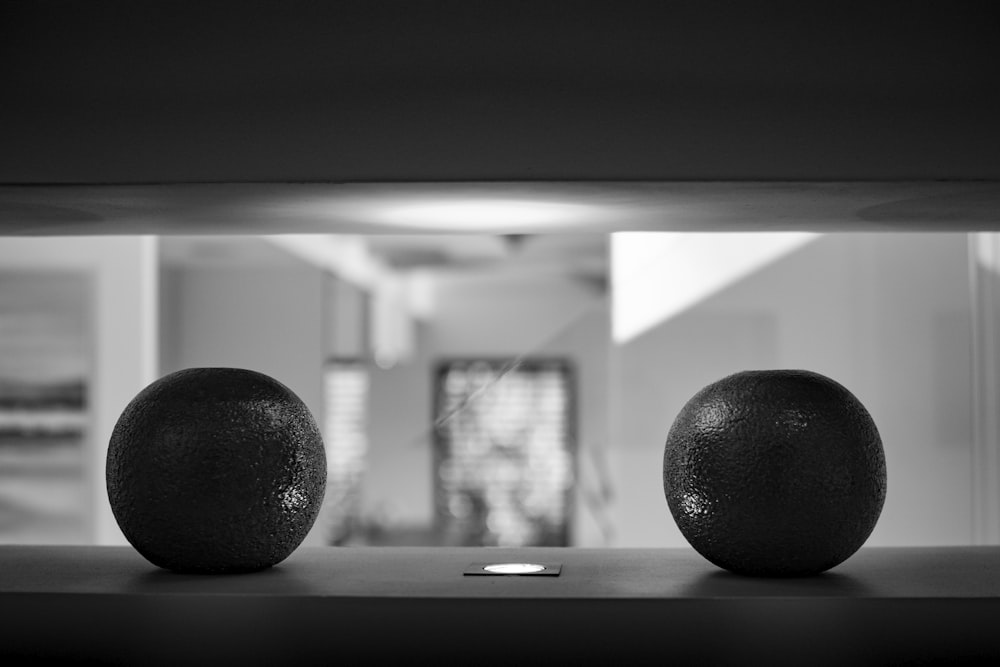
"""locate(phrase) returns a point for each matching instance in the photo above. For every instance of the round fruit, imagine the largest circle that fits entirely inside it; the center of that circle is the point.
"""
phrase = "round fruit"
(775, 473)
(216, 470)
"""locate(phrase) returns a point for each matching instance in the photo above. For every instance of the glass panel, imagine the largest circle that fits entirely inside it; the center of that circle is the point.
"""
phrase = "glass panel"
(399, 307)
(643, 320)
(886, 315)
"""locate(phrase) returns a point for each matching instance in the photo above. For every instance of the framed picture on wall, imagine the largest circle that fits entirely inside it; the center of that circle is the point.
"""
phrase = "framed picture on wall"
(44, 367)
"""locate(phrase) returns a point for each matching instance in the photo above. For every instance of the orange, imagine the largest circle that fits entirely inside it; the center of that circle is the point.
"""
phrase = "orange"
(216, 470)
(775, 473)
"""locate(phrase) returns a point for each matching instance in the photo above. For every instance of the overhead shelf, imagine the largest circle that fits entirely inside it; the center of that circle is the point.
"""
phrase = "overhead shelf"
(497, 207)
(355, 91)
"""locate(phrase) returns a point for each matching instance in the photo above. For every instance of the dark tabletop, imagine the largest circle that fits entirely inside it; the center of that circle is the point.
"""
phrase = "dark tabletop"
(429, 572)
(413, 605)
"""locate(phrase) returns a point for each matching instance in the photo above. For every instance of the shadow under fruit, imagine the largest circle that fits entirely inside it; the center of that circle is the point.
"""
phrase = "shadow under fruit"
(216, 470)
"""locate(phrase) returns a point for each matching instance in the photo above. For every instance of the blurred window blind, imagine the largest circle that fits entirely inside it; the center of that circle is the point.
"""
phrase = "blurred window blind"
(504, 452)
(346, 439)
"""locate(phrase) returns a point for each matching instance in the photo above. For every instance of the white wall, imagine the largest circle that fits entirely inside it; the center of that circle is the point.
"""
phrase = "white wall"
(480, 315)
(122, 273)
(265, 319)
(888, 316)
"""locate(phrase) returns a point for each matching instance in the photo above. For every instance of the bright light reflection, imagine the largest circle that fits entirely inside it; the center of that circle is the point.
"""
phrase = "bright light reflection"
(484, 214)
(514, 568)
(657, 275)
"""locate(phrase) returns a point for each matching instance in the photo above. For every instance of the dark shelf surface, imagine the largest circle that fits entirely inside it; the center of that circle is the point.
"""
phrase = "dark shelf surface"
(882, 606)
(429, 572)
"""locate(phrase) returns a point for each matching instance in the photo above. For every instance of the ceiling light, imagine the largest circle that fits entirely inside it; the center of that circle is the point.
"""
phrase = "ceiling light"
(477, 215)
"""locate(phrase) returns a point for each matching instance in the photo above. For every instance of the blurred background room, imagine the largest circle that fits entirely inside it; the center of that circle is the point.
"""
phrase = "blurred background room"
(485, 389)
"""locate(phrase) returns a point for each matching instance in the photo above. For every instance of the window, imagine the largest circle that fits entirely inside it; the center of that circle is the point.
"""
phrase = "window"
(504, 454)
(345, 434)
